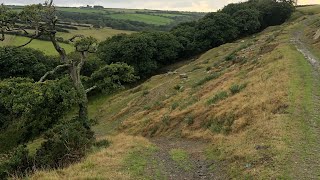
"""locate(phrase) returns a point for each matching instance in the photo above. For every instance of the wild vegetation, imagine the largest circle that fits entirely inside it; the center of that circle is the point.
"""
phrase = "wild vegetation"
(218, 95)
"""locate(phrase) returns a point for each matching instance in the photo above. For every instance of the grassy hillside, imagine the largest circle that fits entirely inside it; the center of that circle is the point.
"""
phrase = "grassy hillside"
(246, 101)
(44, 46)
(146, 16)
(47, 47)
(244, 110)
(99, 34)
(149, 19)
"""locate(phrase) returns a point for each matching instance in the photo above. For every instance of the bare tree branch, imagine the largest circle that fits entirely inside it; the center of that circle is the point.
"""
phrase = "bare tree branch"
(30, 40)
(59, 49)
(2, 36)
(76, 36)
(90, 89)
(53, 71)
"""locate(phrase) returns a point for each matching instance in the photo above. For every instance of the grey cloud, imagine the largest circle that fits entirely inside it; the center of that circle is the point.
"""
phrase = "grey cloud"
(189, 5)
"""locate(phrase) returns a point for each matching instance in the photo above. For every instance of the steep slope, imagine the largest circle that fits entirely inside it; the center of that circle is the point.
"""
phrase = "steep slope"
(241, 110)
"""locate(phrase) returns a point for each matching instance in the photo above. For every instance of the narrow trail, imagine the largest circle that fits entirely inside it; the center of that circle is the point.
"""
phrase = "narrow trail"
(307, 151)
(164, 167)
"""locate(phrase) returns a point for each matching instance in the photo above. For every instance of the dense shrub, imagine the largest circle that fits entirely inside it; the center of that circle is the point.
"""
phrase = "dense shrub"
(112, 77)
(235, 88)
(215, 29)
(32, 108)
(17, 163)
(248, 21)
(146, 51)
(66, 143)
(24, 62)
(185, 35)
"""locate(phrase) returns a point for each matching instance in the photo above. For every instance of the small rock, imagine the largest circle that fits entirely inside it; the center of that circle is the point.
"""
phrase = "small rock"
(248, 165)
(184, 76)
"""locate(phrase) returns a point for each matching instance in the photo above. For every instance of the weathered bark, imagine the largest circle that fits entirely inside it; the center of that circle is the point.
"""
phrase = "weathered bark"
(75, 75)
(52, 72)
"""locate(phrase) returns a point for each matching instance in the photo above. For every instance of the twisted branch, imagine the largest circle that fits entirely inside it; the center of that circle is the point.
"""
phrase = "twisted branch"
(52, 72)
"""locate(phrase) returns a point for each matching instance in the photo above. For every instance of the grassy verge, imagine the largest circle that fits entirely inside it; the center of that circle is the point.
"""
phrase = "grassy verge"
(304, 120)
(181, 157)
(137, 160)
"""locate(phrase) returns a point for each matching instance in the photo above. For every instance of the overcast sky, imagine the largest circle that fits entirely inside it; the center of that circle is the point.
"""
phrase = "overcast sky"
(185, 5)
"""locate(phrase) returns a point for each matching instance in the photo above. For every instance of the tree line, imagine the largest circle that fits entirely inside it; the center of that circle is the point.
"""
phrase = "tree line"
(148, 51)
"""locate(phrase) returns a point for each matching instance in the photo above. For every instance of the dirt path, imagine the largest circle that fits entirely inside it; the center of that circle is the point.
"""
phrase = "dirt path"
(194, 167)
(307, 151)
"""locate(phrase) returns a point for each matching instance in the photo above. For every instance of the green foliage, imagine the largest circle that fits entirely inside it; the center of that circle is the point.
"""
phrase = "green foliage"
(221, 124)
(189, 120)
(215, 29)
(24, 62)
(271, 12)
(32, 108)
(185, 33)
(247, 20)
(112, 77)
(174, 106)
(7, 17)
(93, 64)
(136, 50)
(66, 143)
(18, 162)
(235, 88)
(218, 97)
(86, 44)
(144, 51)
(231, 57)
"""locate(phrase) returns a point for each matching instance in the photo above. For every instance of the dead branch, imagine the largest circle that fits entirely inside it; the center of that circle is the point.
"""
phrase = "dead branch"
(53, 71)
(2, 36)
(30, 40)
(76, 36)
(90, 89)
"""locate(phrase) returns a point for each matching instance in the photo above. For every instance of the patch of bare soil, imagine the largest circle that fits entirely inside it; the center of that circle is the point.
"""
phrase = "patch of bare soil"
(162, 166)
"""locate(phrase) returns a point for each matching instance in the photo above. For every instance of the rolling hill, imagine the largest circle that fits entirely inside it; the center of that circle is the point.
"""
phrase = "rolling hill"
(244, 110)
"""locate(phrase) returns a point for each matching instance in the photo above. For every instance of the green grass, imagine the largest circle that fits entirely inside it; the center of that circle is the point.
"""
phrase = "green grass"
(169, 15)
(137, 160)
(310, 9)
(218, 97)
(206, 79)
(99, 34)
(303, 88)
(44, 46)
(78, 10)
(149, 19)
(181, 157)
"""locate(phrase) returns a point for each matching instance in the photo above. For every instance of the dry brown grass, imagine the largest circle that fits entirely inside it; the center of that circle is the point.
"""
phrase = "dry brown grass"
(258, 110)
(105, 164)
(252, 145)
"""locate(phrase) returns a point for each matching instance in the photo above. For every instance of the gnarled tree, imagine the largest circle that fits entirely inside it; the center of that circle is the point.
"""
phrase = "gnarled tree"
(41, 20)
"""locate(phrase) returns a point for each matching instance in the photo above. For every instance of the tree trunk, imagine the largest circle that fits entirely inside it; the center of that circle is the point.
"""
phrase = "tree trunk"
(74, 72)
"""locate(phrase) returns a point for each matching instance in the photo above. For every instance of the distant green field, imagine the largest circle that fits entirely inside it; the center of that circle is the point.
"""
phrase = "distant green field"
(151, 16)
(44, 46)
(146, 18)
(81, 10)
(99, 34)
(169, 15)
(310, 9)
